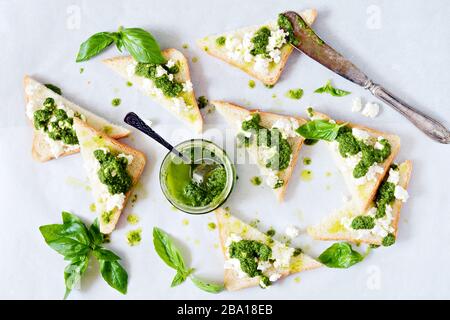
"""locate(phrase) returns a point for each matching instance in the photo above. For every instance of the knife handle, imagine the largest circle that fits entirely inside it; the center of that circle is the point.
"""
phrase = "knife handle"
(431, 127)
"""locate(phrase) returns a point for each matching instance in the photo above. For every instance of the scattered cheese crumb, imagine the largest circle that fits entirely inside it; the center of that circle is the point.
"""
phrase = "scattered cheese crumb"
(292, 232)
(371, 110)
(357, 104)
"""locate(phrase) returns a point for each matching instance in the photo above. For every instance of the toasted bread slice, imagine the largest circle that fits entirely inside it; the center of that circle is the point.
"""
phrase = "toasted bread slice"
(35, 94)
(124, 65)
(227, 225)
(91, 140)
(235, 115)
(209, 45)
(332, 228)
(362, 195)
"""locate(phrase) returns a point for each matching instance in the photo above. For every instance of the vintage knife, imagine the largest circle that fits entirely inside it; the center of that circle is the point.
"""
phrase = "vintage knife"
(313, 46)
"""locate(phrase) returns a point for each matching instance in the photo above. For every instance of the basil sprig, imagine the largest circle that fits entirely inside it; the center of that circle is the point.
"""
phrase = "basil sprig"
(341, 255)
(77, 244)
(142, 46)
(171, 255)
(328, 88)
(320, 130)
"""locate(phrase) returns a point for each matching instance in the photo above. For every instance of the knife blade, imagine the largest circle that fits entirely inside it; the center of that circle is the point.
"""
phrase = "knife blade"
(313, 46)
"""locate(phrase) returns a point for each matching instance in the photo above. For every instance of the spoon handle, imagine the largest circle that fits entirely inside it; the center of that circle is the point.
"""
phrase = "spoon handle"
(133, 120)
(431, 127)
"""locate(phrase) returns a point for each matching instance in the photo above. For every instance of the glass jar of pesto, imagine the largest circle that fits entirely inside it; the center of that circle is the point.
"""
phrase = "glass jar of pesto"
(201, 185)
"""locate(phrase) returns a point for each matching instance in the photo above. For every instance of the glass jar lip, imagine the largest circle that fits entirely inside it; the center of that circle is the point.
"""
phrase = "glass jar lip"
(230, 173)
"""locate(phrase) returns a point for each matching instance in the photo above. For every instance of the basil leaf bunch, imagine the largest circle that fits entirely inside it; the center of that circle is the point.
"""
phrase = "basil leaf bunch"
(171, 255)
(142, 46)
(320, 130)
(328, 88)
(78, 244)
(341, 255)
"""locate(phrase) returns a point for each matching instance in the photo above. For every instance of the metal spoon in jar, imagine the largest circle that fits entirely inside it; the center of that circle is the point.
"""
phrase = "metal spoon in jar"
(200, 172)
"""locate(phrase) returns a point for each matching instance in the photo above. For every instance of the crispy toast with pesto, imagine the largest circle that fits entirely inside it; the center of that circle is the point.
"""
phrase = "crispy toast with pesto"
(362, 193)
(229, 226)
(109, 206)
(44, 148)
(214, 47)
(236, 115)
(338, 226)
(185, 109)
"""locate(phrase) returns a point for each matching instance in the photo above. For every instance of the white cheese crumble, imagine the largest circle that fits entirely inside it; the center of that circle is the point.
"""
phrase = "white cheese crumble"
(292, 231)
(129, 157)
(170, 63)
(374, 171)
(187, 86)
(357, 104)
(371, 110)
(401, 194)
(360, 134)
(274, 277)
(394, 176)
(287, 127)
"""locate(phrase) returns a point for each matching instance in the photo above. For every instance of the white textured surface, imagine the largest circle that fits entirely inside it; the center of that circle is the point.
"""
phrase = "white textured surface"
(408, 53)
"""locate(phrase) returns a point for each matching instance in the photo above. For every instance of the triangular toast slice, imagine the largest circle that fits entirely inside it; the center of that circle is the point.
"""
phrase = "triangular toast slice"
(125, 66)
(335, 227)
(362, 194)
(91, 140)
(209, 45)
(235, 115)
(44, 148)
(229, 226)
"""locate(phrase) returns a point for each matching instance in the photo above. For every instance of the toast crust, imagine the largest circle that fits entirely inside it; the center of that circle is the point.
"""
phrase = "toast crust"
(135, 168)
(40, 149)
(234, 113)
(271, 78)
(228, 224)
(120, 63)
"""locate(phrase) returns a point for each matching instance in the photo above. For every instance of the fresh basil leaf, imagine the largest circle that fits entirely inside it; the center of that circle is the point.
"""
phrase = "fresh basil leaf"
(207, 286)
(115, 275)
(167, 250)
(96, 236)
(320, 130)
(73, 273)
(94, 45)
(71, 239)
(328, 88)
(340, 255)
(141, 45)
(54, 88)
(104, 254)
(180, 277)
(68, 218)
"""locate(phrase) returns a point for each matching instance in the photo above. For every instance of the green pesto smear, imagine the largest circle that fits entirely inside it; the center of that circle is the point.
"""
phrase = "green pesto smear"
(134, 237)
(116, 102)
(295, 94)
(55, 122)
(170, 88)
(267, 138)
(260, 41)
(184, 189)
(251, 84)
(306, 175)
(385, 196)
(250, 253)
(307, 161)
(220, 41)
(256, 181)
(286, 25)
(349, 145)
(129, 84)
(211, 226)
(133, 219)
(113, 172)
(202, 102)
